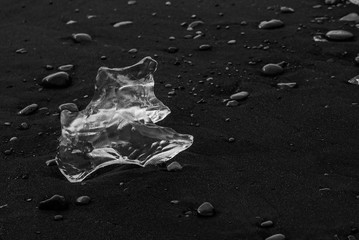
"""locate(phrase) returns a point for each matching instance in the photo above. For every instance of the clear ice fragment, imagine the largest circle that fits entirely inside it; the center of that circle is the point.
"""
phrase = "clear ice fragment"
(118, 125)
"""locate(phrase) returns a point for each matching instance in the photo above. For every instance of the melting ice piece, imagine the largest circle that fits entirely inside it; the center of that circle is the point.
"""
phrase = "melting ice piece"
(118, 126)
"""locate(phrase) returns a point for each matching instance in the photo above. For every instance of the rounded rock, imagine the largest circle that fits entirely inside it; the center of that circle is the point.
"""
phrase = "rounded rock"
(205, 47)
(58, 217)
(239, 95)
(81, 37)
(67, 67)
(274, 23)
(272, 69)
(232, 103)
(267, 224)
(83, 200)
(59, 79)
(123, 23)
(56, 202)
(174, 167)
(206, 210)
(351, 17)
(72, 107)
(276, 237)
(339, 35)
(28, 109)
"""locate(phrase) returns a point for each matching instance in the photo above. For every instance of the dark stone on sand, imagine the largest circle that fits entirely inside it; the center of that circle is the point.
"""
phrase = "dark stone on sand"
(272, 69)
(286, 10)
(83, 200)
(205, 47)
(56, 202)
(56, 80)
(266, 224)
(28, 109)
(58, 217)
(351, 17)
(172, 49)
(81, 37)
(271, 24)
(67, 67)
(206, 210)
(239, 95)
(174, 167)
(24, 126)
(21, 51)
(339, 35)
(276, 237)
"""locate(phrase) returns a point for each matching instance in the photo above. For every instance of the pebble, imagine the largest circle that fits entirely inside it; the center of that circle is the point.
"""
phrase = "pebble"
(67, 67)
(81, 37)
(205, 47)
(28, 109)
(206, 209)
(13, 139)
(267, 224)
(24, 126)
(272, 69)
(172, 49)
(194, 24)
(339, 35)
(287, 85)
(174, 167)
(239, 95)
(330, 2)
(274, 23)
(70, 22)
(354, 2)
(123, 23)
(72, 107)
(58, 217)
(131, 2)
(175, 201)
(83, 200)
(56, 202)
(276, 237)
(232, 103)
(133, 50)
(231, 42)
(354, 80)
(59, 79)
(351, 17)
(286, 10)
(357, 59)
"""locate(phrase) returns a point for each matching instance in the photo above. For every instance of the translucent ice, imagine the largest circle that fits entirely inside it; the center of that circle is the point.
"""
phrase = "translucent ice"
(118, 126)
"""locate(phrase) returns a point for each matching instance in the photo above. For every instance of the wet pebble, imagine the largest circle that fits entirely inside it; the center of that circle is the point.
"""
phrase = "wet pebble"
(231, 42)
(339, 35)
(81, 37)
(354, 80)
(205, 47)
(123, 23)
(28, 109)
(172, 49)
(131, 2)
(21, 51)
(267, 224)
(56, 202)
(67, 67)
(70, 22)
(330, 2)
(239, 95)
(194, 24)
(206, 209)
(13, 139)
(286, 85)
(232, 103)
(357, 59)
(59, 79)
(271, 24)
(133, 50)
(174, 167)
(72, 107)
(286, 10)
(24, 126)
(58, 217)
(272, 69)
(83, 200)
(351, 17)
(276, 237)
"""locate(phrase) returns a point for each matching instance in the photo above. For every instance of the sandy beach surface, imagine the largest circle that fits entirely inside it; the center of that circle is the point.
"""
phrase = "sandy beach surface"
(284, 154)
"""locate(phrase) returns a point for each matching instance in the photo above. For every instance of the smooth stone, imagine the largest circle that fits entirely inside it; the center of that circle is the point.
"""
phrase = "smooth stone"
(67, 67)
(81, 37)
(267, 224)
(286, 10)
(354, 80)
(194, 24)
(58, 217)
(354, 2)
(131, 2)
(174, 167)
(272, 69)
(13, 139)
(24, 126)
(339, 35)
(72, 107)
(239, 95)
(274, 23)
(133, 50)
(56, 202)
(83, 200)
(21, 51)
(205, 47)
(357, 59)
(232, 103)
(59, 79)
(206, 209)
(351, 17)
(172, 49)
(330, 2)
(123, 23)
(231, 42)
(28, 109)
(276, 237)
(287, 85)
(71, 22)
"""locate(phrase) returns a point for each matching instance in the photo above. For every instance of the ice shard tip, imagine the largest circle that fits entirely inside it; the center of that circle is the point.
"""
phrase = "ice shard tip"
(118, 125)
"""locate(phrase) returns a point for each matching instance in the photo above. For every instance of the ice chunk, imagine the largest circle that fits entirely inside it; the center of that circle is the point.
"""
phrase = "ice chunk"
(118, 126)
